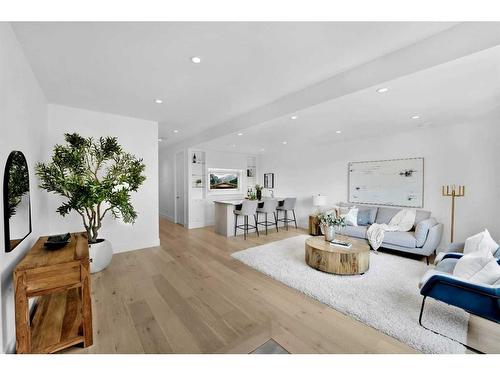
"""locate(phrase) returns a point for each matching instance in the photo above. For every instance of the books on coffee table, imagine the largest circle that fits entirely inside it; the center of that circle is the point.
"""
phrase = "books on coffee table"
(338, 243)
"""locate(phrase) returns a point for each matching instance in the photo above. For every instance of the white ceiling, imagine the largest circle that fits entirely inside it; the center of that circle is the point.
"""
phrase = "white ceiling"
(455, 92)
(122, 67)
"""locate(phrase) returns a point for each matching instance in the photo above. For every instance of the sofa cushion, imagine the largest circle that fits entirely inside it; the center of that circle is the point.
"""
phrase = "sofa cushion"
(358, 232)
(479, 266)
(447, 265)
(480, 241)
(351, 217)
(496, 254)
(422, 229)
(422, 215)
(404, 239)
(373, 209)
(373, 212)
(363, 216)
(385, 214)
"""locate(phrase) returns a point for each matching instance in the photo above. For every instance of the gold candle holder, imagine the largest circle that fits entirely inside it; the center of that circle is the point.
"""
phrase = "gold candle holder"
(453, 191)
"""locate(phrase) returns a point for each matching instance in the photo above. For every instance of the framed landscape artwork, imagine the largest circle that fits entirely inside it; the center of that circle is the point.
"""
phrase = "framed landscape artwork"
(398, 182)
(224, 180)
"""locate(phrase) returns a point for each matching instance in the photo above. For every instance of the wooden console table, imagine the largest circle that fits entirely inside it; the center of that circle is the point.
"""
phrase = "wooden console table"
(60, 282)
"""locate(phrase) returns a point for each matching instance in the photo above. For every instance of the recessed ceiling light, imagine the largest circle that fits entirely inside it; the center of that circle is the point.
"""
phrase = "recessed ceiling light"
(175, 131)
(240, 133)
(415, 117)
(284, 142)
(382, 90)
(233, 145)
(262, 149)
(158, 101)
(338, 131)
(160, 139)
(294, 117)
(196, 59)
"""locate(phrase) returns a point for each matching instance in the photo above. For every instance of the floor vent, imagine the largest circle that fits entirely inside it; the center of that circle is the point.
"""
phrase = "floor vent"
(270, 347)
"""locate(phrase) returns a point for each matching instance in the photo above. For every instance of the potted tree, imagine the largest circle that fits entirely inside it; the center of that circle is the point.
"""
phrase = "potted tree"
(95, 177)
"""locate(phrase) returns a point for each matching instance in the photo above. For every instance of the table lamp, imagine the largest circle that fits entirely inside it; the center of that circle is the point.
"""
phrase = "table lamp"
(319, 201)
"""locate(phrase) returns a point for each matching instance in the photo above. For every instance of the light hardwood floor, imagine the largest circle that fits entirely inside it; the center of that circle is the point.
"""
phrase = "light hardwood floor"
(190, 296)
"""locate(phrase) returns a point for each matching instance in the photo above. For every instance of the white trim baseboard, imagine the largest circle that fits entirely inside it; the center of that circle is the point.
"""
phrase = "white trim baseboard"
(123, 247)
(164, 215)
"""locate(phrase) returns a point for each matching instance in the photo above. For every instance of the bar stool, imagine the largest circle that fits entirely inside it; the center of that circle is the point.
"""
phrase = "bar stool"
(268, 207)
(248, 208)
(288, 205)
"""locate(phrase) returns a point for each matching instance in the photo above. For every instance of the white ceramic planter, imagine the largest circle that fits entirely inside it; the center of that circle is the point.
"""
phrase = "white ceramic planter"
(328, 232)
(100, 254)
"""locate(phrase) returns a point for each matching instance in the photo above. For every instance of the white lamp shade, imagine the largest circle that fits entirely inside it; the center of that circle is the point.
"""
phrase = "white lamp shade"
(319, 200)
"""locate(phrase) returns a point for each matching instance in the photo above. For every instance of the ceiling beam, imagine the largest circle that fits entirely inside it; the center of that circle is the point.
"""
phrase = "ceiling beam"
(451, 44)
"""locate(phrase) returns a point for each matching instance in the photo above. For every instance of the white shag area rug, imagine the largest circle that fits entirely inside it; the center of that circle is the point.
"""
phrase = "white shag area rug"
(386, 297)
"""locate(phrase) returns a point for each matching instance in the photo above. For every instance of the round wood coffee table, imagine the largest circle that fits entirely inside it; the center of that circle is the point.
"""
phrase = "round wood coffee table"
(326, 257)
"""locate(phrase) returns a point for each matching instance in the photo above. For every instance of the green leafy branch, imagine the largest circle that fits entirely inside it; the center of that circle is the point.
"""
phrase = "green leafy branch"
(96, 177)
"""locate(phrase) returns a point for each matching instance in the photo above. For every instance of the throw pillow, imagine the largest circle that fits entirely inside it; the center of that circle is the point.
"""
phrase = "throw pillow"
(363, 216)
(472, 243)
(422, 229)
(351, 218)
(479, 267)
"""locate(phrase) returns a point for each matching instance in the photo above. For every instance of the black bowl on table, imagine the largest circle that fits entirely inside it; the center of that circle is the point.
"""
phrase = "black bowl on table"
(57, 241)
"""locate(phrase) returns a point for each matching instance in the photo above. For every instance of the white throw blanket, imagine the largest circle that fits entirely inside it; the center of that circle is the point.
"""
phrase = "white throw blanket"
(403, 221)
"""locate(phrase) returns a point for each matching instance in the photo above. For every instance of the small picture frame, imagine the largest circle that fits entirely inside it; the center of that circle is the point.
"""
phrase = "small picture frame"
(269, 180)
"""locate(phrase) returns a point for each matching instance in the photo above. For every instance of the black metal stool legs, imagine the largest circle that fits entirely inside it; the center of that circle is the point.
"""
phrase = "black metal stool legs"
(266, 223)
(285, 220)
(245, 226)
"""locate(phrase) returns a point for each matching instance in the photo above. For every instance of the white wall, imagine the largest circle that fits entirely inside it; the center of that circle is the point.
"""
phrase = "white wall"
(23, 127)
(167, 185)
(139, 137)
(466, 154)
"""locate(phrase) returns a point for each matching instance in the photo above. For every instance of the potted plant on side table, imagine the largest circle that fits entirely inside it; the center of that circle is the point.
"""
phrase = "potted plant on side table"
(95, 177)
(328, 222)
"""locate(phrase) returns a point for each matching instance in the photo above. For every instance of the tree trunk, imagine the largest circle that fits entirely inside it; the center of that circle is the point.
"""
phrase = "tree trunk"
(94, 235)
(89, 234)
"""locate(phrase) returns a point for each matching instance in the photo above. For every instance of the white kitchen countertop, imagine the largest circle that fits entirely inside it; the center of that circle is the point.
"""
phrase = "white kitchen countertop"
(234, 202)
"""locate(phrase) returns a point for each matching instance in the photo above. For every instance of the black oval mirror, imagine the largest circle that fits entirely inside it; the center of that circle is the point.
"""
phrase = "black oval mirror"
(16, 200)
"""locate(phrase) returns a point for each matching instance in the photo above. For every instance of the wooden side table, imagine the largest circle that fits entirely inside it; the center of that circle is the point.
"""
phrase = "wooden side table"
(314, 229)
(60, 280)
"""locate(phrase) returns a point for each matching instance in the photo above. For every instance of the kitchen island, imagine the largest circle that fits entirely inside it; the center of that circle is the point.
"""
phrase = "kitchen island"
(224, 216)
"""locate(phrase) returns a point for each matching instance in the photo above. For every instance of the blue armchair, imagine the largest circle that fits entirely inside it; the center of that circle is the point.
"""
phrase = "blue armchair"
(476, 298)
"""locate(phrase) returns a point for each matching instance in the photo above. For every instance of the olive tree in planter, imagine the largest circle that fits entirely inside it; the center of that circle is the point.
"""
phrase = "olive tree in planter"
(95, 177)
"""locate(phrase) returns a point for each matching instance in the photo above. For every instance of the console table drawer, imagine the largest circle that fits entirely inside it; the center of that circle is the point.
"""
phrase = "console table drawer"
(49, 278)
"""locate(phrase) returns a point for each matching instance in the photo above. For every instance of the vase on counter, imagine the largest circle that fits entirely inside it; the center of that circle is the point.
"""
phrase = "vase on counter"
(259, 195)
(328, 232)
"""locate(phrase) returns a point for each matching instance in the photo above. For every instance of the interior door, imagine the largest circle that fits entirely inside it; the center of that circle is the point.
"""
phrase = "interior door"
(179, 188)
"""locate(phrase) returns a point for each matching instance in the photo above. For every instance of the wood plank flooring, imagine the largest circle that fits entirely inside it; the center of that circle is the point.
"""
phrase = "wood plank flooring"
(190, 296)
